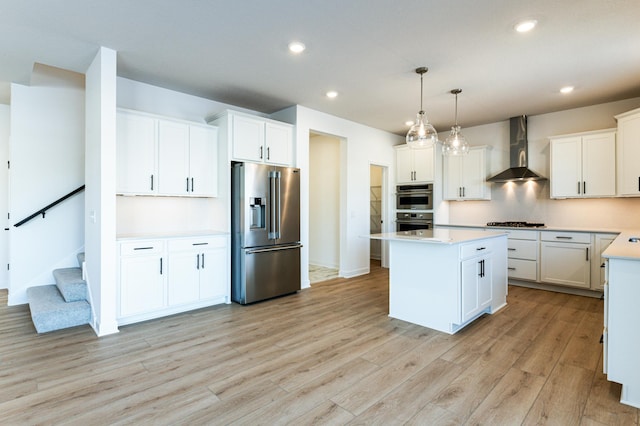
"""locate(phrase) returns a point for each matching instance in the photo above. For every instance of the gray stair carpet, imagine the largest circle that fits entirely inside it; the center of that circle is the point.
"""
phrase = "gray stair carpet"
(60, 305)
(50, 312)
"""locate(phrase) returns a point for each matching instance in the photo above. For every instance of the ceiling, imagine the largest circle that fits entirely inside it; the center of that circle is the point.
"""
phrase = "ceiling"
(236, 52)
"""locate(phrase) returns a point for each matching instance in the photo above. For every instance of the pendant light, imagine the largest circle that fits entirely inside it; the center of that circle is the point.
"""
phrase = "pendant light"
(455, 144)
(421, 134)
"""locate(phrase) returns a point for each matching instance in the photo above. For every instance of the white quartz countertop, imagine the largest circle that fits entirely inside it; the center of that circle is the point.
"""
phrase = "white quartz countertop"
(155, 235)
(625, 246)
(542, 228)
(437, 236)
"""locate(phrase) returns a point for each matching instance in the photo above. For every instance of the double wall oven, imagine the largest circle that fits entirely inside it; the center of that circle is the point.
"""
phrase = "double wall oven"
(414, 207)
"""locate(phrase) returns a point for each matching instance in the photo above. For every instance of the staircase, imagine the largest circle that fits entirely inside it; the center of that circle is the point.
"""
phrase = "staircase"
(63, 304)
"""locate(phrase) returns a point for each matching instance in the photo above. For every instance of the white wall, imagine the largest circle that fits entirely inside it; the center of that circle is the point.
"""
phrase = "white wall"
(364, 145)
(100, 206)
(5, 124)
(324, 201)
(530, 201)
(47, 161)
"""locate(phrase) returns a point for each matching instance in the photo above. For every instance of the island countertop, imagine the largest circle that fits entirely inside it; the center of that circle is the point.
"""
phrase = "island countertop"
(437, 236)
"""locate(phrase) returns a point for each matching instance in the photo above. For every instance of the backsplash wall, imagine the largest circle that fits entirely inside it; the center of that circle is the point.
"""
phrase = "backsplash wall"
(529, 201)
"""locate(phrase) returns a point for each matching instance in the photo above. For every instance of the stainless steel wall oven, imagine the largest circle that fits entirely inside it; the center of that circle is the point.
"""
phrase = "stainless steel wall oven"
(414, 197)
(411, 221)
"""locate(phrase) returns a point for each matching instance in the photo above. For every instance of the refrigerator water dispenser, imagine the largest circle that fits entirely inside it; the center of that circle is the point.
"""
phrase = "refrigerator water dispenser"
(257, 209)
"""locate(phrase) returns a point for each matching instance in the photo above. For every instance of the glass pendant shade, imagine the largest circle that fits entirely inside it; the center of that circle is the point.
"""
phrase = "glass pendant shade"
(422, 134)
(456, 143)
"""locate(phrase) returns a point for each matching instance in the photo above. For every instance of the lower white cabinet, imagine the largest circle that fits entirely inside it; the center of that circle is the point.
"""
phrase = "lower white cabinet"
(566, 258)
(165, 276)
(523, 248)
(197, 269)
(476, 285)
(142, 277)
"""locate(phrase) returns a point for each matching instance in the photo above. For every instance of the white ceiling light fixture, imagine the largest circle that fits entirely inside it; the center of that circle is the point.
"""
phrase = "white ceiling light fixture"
(296, 47)
(566, 89)
(456, 143)
(526, 26)
(422, 134)
(332, 94)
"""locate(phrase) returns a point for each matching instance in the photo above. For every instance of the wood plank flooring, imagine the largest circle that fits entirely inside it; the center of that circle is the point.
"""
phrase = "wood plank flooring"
(327, 355)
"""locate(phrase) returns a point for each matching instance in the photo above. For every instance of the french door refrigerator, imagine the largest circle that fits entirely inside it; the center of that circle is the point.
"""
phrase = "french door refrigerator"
(265, 231)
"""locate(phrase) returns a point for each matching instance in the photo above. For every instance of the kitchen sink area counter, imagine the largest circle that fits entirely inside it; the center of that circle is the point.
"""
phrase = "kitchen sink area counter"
(446, 278)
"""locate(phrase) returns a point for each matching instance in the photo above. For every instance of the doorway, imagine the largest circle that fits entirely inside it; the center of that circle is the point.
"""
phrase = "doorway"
(375, 210)
(324, 207)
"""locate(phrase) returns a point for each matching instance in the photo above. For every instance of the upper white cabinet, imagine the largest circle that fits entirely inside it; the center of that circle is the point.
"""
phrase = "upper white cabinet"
(414, 165)
(257, 139)
(159, 156)
(465, 176)
(136, 154)
(583, 165)
(628, 153)
(187, 159)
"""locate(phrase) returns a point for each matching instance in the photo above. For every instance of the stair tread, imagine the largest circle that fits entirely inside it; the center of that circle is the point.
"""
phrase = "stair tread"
(70, 283)
(49, 310)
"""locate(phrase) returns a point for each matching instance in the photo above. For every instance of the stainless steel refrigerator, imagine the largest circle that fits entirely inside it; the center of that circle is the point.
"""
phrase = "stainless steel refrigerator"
(265, 231)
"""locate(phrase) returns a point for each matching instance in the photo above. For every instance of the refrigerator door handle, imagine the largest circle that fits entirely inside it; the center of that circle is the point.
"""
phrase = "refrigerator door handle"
(278, 206)
(277, 248)
(274, 205)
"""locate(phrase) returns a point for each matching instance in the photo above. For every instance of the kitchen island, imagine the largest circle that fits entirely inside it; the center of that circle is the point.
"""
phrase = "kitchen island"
(621, 336)
(445, 278)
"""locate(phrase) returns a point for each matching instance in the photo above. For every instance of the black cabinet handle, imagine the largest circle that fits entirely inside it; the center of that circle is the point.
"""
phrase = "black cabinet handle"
(202, 260)
(511, 269)
(142, 248)
(268, 153)
(152, 182)
(160, 266)
(561, 237)
(192, 185)
(578, 187)
(198, 261)
(261, 153)
(482, 248)
(587, 258)
(584, 187)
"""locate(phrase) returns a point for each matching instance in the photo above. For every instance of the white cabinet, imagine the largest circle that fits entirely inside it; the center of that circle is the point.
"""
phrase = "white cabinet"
(257, 139)
(522, 251)
(628, 166)
(583, 165)
(187, 159)
(414, 165)
(165, 276)
(566, 258)
(142, 277)
(476, 281)
(598, 274)
(136, 154)
(197, 269)
(465, 176)
(160, 156)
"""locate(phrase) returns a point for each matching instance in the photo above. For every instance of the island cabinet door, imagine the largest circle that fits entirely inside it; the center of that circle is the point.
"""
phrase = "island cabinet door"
(476, 286)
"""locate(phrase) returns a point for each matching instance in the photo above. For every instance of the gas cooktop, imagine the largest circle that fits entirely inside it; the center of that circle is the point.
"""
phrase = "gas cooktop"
(516, 224)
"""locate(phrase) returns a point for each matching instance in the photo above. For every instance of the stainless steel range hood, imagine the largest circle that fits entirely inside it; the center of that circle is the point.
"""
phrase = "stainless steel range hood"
(518, 154)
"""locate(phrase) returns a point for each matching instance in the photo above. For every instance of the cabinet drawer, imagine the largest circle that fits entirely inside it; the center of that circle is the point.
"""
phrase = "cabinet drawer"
(474, 249)
(140, 248)
(522, 249)
(522, 269)
(518, 234)
(180, 244)
(567, 237)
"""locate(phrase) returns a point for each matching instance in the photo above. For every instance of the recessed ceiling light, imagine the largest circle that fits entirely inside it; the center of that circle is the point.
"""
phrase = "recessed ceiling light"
(525, 26)
(409, 123)
(332, 94)
(296, 47)
(566, 89)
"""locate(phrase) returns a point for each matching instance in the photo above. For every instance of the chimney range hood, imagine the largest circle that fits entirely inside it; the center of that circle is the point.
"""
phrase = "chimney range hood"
(518, 154)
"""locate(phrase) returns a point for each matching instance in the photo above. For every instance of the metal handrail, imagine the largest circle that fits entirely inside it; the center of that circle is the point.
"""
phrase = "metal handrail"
(43, 210)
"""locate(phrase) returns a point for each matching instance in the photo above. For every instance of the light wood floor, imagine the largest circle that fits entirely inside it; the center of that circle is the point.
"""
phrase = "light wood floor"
(328, 355)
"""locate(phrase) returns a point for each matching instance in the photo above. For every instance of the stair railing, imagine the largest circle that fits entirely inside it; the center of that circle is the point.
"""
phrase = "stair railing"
(43, 210)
